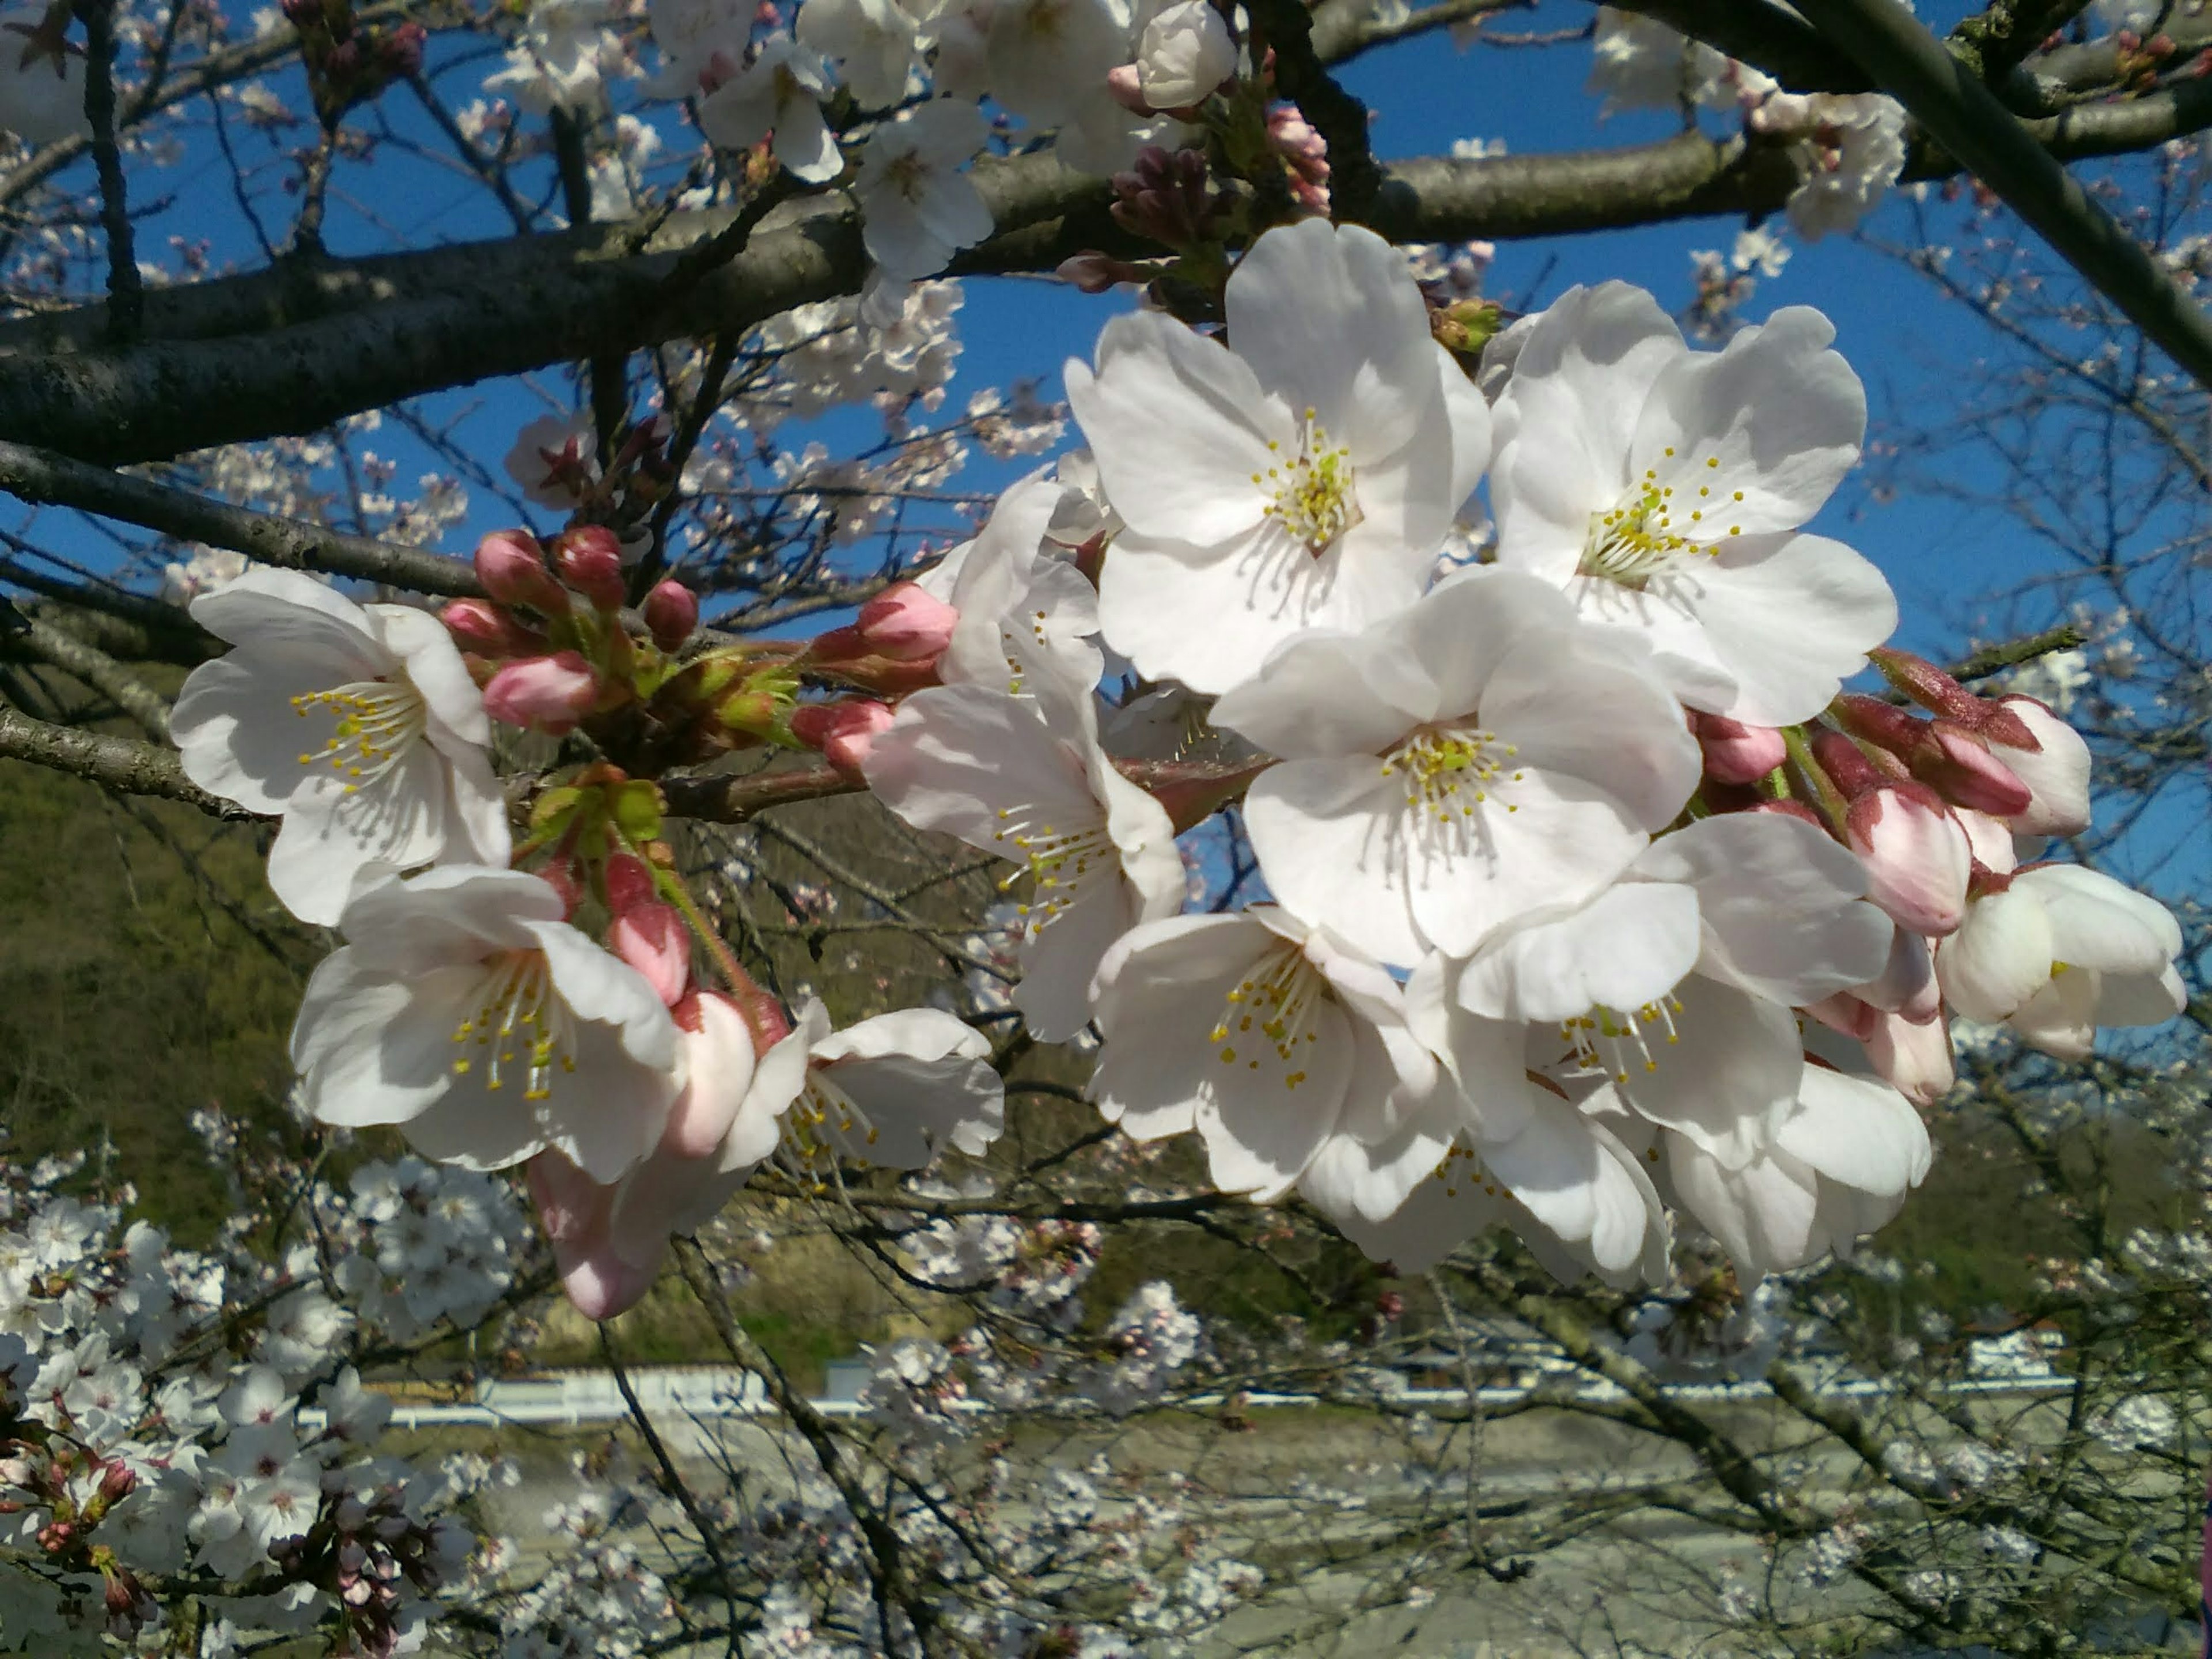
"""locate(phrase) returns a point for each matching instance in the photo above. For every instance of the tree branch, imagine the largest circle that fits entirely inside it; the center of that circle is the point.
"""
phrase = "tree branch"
(295, 349)
(96, 669)
(1963, 115)
(123, 764)
(42, 477)
(125, 294)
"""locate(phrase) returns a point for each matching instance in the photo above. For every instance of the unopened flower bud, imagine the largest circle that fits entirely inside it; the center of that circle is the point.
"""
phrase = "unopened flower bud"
(718, 1063)
(651, 937)
(512, 570)
(1925, 683)
(1907, 983)
(671, 612)
(1094, 272)
(629, 883)
(399, 52)
(483, 627)
(118, 1481)
(589, 559)
(1306, 155)
(1735, 752)
(1959, 766)
(1918, 858)
(550, 693)
(2056, 771)
(1913, 1057)
(842, 731)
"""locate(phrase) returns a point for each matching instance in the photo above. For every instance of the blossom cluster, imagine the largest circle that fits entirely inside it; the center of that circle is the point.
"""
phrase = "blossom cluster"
(1594, 903)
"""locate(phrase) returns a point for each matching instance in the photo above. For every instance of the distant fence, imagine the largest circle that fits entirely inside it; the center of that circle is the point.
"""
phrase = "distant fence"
(572, 1399)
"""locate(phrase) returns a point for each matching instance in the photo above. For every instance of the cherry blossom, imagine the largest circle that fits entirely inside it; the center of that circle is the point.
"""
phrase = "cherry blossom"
(465, 1009)
(918, 209)
(1662, 488)
(1301, 478)
(779, 92)
(358, 725)
(1469, 761)
(2058, 950)
(1002, 774)
(1272, 1039)
(875, 44)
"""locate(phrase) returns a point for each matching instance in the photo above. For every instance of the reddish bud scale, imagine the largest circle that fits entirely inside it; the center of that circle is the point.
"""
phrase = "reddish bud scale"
(628, 883)
(1925, 683)
(1846, 764)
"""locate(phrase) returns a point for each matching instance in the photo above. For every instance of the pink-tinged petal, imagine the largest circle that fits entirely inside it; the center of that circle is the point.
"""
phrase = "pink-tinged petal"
(1782, 413)
(653, 938)
(717, 1071)
(2057, 774)
(1917, 856)
(1914, 1058)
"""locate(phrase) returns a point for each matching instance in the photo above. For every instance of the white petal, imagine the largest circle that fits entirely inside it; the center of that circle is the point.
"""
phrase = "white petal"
(1577, 704)
(1782, 413)
(2000, 957)
(1172, 420)
(1790, 618)
(1312, 699)
(1631, 945)
(1733, 1073)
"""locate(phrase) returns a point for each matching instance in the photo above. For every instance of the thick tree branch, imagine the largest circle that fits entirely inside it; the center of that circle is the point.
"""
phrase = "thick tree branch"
(295, 349)
(40, 476)
(1963, 115)
(123, 764)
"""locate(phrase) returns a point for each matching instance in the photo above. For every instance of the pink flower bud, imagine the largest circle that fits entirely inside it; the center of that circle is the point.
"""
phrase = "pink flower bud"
(118, 1482)
(549, 694)
(1913, 1058)
(844, 732)
(1094, 272)
(1885, 725)
(512, 571)
(1124, 86)
(2056, 771)
(902, 625)
(1917, 858)
(671, 612)
(589, 558)
(652, 939)
(719, 1061)
(1734, 752)
(1852, 1016)
(1959, 766)
(629, 884)
(1846, 764)
(600, 1284)
(572, 1207)
(1925, 683)
(481, 626)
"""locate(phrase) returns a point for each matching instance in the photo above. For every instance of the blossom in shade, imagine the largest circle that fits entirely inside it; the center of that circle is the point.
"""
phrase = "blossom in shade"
(1664, 489)
(1270, 1039)
(357, 725)
(1030, 783)
(1463, 762)
(2059, 950)
(875, 45)
(466, 1012)
(780, 93)
(1301, 477)
(917, 207)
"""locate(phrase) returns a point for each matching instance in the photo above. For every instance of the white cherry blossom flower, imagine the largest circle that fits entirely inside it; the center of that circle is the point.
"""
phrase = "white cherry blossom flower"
(359, 725)
(894, 1091)
(1029, 620)
(2060, 951)
(1663, 487)
(1675, 985)
(781, 91)
(465, 1009)
(875, 45)
(917, 207)
(1302, 477)
(562, 57)
(553, 460)
(1272, 1039)
(1184, 53)
(1838, 1168)
(1046, 59)
(1030, 783)
(1458, 765)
